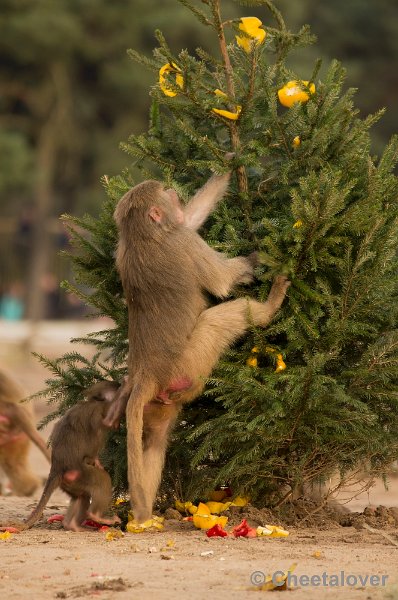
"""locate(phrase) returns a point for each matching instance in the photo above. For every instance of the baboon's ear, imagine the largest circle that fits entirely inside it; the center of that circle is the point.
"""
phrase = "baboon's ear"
(156, 214)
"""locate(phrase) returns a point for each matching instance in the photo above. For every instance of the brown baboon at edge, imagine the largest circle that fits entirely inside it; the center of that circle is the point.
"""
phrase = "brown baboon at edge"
(76, 442)
(175, 340)
(17, 430)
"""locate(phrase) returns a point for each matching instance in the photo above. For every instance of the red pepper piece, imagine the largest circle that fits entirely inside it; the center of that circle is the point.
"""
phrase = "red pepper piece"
(244, 530)
(55, 518)
(90, 523)
(216, 531)
(10, 529)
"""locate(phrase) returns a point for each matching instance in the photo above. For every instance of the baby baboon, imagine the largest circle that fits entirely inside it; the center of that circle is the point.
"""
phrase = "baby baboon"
(175, 340)
(16, 432)
(76, 442)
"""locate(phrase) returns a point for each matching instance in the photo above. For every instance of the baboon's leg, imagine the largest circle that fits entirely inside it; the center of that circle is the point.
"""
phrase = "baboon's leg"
(143, 391)
(159, 419)
(76, 513)
(14, 461)
(100, 486)
(218, 327)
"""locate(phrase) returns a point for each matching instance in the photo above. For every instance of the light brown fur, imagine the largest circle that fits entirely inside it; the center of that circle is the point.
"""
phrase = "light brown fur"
(166, 267)
(17, 430)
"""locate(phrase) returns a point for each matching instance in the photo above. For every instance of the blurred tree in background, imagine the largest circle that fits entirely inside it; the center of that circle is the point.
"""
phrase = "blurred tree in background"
(69, 94)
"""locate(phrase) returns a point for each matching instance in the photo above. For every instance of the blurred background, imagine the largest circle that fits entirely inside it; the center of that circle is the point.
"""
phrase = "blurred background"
(69, 95)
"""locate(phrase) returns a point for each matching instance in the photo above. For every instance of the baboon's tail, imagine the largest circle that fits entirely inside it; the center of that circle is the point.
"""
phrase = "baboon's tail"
(141, 394)
(52, 483)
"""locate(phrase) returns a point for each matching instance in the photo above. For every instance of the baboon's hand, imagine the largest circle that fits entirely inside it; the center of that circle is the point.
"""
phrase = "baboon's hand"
(251, 262)
(279, 287)
(111, 423)
(112, 419)
(246, 274)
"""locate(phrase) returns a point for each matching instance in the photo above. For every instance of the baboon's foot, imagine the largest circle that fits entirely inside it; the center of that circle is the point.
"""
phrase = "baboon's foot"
(72, 525)
(278, 291)
(103, 520)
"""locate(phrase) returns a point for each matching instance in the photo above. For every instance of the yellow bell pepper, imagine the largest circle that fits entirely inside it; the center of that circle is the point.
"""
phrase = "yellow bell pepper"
(184, 507)
(170, 69)
(252, 27)
(280, 364)
(134, 527)
(217, 507)
(293, 92)
(113, 534)
(227, 114)
(277, 582)
(271, 531)
(251, 361)
(296, 141)
(202, 519)
(240, 501)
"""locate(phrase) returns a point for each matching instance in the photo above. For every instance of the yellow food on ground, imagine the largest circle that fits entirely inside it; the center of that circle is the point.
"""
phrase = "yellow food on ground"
(240, 501)
(113, 534)
(121, 500)
(134, 527)
(277, 582)
(273, 531)
(202, 519)
(184, 507)
(217, 507)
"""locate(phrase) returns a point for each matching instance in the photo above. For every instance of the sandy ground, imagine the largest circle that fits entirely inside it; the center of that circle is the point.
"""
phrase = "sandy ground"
(48, 562)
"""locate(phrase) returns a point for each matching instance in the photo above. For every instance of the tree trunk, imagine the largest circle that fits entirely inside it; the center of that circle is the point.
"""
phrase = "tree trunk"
(48, 144)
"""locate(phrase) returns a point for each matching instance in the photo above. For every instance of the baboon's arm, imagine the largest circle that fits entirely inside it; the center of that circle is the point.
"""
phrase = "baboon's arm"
(205, 200)
(216, 272)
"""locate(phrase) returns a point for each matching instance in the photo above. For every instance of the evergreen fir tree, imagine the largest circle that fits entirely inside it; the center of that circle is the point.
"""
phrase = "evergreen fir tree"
(316, 391)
